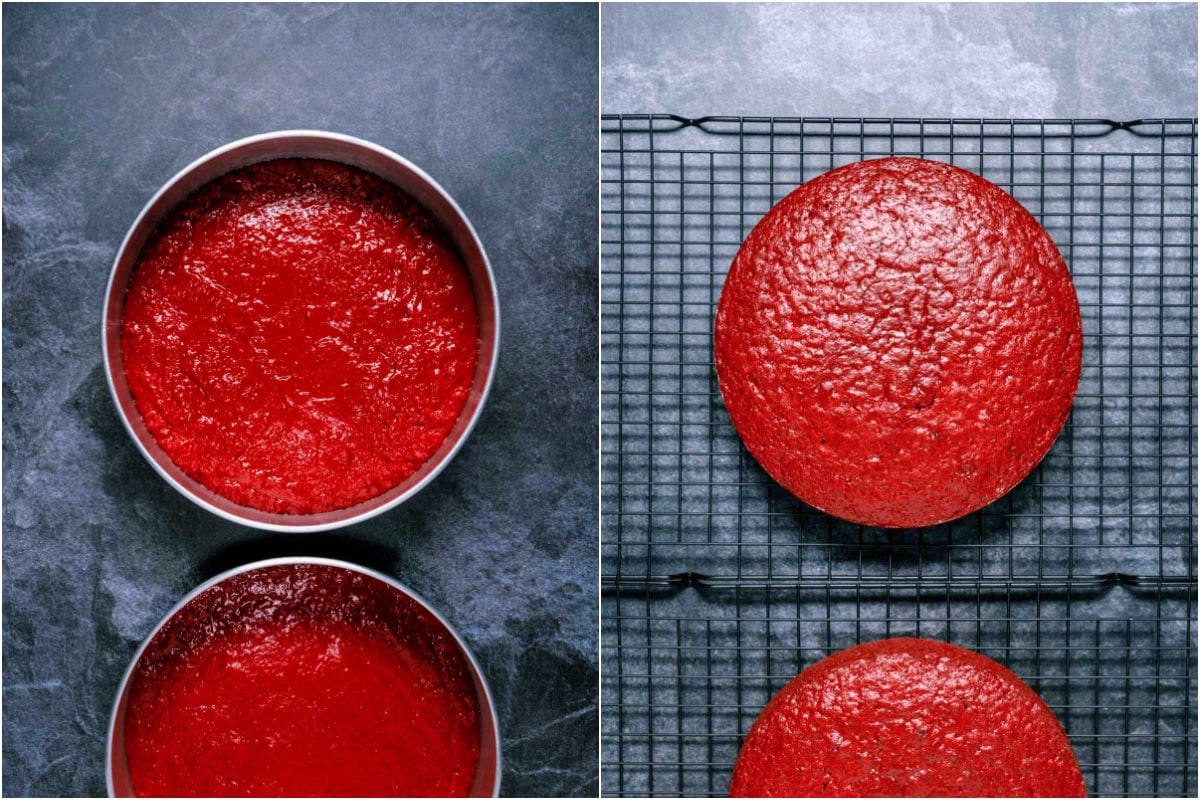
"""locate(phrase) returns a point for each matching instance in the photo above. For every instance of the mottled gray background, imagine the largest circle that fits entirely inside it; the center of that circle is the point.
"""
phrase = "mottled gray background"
(102, 104)
(844, 59)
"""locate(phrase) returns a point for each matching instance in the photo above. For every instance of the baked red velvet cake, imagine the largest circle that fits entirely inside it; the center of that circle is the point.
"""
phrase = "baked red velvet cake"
(898, 342)
(906, 718)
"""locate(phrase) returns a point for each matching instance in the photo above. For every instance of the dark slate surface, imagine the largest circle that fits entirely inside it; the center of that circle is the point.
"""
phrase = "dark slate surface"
(101, 106)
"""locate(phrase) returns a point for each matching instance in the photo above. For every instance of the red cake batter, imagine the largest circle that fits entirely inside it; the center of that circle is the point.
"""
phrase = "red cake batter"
(302, 681)
(906, 718)
(299, 336)
(898, 342)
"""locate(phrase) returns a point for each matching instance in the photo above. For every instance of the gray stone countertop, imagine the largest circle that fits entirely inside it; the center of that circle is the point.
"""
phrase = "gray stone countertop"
(102, 104)
(1120, 61)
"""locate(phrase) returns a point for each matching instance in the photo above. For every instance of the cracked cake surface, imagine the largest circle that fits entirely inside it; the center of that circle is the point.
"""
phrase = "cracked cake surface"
(907, 717)
(898, 342)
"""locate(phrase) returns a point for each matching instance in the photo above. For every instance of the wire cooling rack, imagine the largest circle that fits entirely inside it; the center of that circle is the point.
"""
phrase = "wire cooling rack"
(719, 587)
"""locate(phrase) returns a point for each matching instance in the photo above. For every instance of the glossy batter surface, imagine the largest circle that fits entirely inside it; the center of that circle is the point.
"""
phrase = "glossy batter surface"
(302, 681)
(906, 718)
(299, 336)
(898, 342)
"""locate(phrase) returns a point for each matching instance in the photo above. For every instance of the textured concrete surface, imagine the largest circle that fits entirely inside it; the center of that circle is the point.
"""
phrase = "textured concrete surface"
(101, 106)
(1120, 61)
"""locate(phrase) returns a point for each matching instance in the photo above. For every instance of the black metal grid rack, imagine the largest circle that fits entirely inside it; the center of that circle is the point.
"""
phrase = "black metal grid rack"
(719, 587)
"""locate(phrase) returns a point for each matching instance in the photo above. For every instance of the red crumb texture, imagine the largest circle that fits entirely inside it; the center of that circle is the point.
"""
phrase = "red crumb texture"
(906, 718)
(898, 342)
(299, 336)
(302, 681)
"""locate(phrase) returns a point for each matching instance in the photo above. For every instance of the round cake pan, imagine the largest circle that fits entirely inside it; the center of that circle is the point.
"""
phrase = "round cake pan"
(487, 775)
(333, 147)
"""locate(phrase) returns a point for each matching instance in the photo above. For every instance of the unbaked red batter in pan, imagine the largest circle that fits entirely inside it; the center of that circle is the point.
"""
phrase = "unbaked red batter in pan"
(302, 681)
(299, 336)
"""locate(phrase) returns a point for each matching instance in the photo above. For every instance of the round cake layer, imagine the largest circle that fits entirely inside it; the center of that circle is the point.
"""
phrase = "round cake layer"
(299, 336)
(898, 342)
(906, 718)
